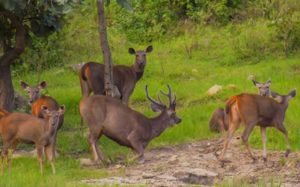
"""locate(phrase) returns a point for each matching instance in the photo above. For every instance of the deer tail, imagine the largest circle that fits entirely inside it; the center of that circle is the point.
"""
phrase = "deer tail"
(230, 102)
(82, 72)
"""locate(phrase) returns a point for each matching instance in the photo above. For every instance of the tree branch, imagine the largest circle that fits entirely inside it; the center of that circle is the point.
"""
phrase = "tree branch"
(13, 53)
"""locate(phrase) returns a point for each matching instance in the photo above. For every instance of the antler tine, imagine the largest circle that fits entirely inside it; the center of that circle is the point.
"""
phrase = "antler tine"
(169, 95)
(174, 100)
(159, 99)
(149, 98)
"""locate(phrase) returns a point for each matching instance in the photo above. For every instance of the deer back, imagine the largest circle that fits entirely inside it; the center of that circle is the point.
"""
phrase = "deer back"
(3, 113)
(253, 108)
(22, 126)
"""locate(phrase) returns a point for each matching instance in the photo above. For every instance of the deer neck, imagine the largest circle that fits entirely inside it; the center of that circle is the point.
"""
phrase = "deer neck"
(138, 71)
(159, 124)
(50, 130)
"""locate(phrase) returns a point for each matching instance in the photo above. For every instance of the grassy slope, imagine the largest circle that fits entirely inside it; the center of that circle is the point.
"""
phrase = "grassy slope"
(211, 60)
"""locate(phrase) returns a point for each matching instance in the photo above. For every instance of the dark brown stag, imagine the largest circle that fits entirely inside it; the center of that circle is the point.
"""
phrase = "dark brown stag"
(258, 110)
(109, 117)
(125, 78)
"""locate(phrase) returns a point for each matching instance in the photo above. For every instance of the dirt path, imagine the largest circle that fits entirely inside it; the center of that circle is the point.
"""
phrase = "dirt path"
(196, 163)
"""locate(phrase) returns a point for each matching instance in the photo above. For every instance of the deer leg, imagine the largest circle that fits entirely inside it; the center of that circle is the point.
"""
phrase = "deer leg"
(93, 138)
(232, 128)
(222, 130)
(39, 151)
(7, 146)
(50, 153)
(137, 147)
(10, 153)
(282, 129)
(264, 141)
(4, 155)
(245, 137)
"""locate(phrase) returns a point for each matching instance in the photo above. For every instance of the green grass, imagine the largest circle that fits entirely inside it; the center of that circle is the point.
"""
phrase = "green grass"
(191, 63)
(194, 107)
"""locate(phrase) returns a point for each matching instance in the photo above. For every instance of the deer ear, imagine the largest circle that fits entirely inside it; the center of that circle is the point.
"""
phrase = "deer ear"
(292, 94)
(42, 85)
(131, 51)
(156, 108)
(257, 84)
(61, 109)
(276, 96)
(149, 49)
(24, 85)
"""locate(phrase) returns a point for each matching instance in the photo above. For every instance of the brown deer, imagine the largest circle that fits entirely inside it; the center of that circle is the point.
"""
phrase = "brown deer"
(252, 110)
(20, 127)
(218, 121)
(109, 117)
(3, 113)
(263, 88)
(125, 78)
(36, 100)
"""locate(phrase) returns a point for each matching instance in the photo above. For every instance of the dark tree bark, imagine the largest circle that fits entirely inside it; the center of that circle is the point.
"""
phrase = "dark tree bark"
(110, 88)
(10, 54)
(6, 89)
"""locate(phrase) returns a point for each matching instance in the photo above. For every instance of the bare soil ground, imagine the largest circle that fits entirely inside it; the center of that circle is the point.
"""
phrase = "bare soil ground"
(196, 164)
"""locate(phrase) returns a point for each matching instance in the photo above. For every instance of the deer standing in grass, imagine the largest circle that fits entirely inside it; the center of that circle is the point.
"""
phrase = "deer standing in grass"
(125, 77)
(20, 127)
(36, 100)
(109, 117)
(258, 110)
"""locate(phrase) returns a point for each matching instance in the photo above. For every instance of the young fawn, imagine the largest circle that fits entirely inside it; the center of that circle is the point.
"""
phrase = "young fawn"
(20, 127)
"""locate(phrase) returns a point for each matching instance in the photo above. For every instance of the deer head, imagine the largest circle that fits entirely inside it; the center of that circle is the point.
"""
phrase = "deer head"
(140, 57)
(283, 99)
(33, 92)
(170, 110)
(264, 88)
(53, 115)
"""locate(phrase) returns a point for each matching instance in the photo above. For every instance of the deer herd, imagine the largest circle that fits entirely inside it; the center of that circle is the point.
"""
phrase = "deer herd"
(116, 120)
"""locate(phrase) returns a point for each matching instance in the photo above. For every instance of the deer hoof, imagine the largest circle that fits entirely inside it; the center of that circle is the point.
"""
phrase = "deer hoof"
(288, 151)
(142, 160)
(265, 159)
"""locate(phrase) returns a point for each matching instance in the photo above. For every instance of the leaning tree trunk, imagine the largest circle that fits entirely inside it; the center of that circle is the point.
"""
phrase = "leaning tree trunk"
(110, 88)
(9, 56)
(6, 89)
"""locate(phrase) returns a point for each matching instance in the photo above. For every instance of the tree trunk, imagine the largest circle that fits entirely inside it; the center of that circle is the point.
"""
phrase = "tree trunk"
(9, 56)
(110, 88)
(6, 89)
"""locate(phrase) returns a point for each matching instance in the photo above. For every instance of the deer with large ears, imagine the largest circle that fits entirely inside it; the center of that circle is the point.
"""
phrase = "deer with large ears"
(252, 110)
(263, 88)
(20, 127)
(125, 77)
(36, 100)
(109, 117)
